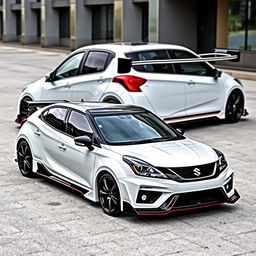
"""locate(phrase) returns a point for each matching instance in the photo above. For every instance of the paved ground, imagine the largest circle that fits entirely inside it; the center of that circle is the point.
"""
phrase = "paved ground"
(42, 219)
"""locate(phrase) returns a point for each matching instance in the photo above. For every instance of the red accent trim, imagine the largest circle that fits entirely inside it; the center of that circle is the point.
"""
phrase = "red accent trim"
(23, 121)
(57, 181)
(191, 116)
(184, 209)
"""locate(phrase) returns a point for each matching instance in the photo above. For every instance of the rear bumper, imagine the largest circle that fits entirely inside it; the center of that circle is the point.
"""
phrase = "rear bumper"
(189, 201)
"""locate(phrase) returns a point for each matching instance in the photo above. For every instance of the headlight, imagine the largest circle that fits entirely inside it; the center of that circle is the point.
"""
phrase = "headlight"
(222, 163)
(143, 168)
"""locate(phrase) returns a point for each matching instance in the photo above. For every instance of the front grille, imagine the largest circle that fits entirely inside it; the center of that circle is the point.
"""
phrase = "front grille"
(191, 173)
(199, 198)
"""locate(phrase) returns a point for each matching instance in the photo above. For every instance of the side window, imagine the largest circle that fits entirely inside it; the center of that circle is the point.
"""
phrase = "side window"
(199, 69)
(78, 125)
(56, 118)
(152, 55)
(70, 67)
(95, 62)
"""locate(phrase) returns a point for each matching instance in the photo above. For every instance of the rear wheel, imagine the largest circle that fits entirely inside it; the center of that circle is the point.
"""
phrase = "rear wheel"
(109, 195)
(25, 159)
(112, 100)
(234, 107)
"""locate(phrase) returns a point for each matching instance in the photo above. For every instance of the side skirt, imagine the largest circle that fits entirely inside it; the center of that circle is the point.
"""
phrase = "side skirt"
(42, 171)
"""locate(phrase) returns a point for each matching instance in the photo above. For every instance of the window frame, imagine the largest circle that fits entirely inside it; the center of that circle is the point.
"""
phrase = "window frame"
(94, 134)
(111, 56)
(67, 59)
(86, 118)
(208, 67)
(42, 117)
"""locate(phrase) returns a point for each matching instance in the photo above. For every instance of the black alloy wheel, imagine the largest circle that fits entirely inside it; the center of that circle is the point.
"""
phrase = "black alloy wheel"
(112, 101)
(24, 111)
(25, 159)
(109, 195)
(234, 107)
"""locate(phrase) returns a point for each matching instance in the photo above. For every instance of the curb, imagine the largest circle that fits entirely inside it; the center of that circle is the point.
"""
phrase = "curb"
(241, 74)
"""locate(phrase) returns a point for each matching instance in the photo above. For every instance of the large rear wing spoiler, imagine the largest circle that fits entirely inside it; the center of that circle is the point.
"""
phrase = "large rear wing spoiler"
(125, 65)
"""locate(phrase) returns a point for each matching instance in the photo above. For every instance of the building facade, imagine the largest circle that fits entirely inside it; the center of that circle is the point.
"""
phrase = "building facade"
(198, 24)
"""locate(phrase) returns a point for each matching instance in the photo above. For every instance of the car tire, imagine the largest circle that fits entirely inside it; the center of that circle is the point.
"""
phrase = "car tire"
(112, 101)
(234, 107)
(23, 107)
(109, 195)
(25, 159)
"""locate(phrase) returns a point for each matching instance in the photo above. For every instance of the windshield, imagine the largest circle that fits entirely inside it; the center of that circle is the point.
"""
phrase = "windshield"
(134, 128)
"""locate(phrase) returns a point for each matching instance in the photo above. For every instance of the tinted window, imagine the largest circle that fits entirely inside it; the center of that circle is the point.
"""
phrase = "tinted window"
(77, 124)
(134, 128)
(56, 118)
(95, 62)
(70, 67)
(152, 55)
(201, 69)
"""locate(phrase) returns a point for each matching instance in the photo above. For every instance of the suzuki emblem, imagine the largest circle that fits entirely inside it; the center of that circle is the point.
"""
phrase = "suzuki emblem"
(197, 172)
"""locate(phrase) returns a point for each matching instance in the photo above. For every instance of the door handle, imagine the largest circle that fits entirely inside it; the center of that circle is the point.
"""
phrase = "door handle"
(37, 132)
(67, 85)
(191, 83)
(62, 147)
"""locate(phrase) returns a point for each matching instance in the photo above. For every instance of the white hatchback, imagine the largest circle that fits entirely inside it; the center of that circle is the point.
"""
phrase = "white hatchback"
(124, 157)
(175, 92)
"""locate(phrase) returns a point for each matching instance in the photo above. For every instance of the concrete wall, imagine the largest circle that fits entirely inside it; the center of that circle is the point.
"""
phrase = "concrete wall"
(132, 22)
(178, 22)
(29, 23)
(9, 27)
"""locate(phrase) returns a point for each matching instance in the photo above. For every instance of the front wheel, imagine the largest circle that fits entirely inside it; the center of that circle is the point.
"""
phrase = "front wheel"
(25, 159)
(234, 107)
(109, 195)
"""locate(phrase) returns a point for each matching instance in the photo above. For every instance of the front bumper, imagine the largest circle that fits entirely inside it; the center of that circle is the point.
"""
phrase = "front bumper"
(165, 196)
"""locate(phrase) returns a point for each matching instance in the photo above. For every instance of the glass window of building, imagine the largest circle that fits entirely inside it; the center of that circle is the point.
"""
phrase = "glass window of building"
(102, 23)
(242, 24)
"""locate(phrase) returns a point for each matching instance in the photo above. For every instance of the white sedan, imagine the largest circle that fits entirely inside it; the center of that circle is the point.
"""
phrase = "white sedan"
(124, 157)
(175, 92)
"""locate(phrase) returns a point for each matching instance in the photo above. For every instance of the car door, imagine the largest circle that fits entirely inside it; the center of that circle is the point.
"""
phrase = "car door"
(60, 154)
(64, 77)
(164, 89)
(79, 160)
(95, 76)
(203, 91)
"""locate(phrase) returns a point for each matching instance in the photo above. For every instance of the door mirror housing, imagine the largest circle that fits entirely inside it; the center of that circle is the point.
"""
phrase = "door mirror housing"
(216, 73)
(84, 141)
(180, 131)
(49, 77)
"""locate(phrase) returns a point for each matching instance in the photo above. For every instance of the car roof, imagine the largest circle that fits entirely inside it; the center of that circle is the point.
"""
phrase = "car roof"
(126, 47)
(101, 107)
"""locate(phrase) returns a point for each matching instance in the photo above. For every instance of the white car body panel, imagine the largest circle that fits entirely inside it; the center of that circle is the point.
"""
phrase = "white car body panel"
(173, 97)
(78, 165)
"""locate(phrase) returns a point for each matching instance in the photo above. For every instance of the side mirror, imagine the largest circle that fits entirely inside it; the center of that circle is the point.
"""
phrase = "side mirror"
(124, 65)
(84, 141)
(49, 77)
(180, 131)
(216, 73)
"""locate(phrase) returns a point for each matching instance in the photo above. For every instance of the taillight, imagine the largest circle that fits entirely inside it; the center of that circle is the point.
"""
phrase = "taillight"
(131, 83)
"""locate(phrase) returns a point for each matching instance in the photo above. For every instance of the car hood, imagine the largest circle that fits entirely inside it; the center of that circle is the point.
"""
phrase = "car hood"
(177, 153)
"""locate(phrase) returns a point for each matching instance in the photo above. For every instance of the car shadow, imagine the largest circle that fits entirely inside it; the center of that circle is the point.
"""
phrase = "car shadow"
(204, 123)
